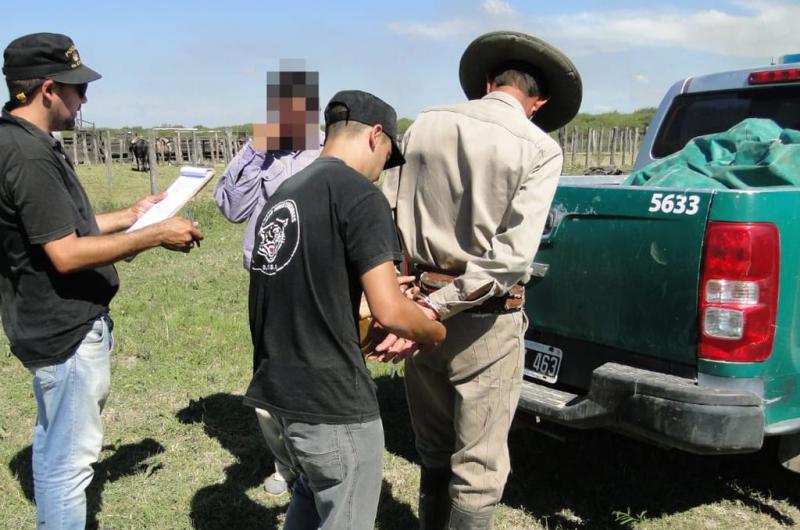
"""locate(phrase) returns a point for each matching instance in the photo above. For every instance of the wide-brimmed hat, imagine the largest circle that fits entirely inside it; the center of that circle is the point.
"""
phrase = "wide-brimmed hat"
(46, 56)
(560, 77)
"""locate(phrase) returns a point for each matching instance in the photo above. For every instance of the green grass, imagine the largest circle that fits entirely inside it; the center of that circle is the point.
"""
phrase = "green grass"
(181, 451)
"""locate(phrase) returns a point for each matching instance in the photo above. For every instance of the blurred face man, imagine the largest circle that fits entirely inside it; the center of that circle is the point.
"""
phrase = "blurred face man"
(292, 113)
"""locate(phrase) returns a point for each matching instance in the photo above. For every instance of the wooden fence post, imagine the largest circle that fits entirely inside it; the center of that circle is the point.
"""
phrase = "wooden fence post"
(151, 151)
(126, 145)
(630, 145)
(85, 149)
(635, 145)
(178, 149)
(214, 150)
(574, 139)
(589, 138)
(598, 147)
(229, 143)
(613, 146)
(97, 143)
(75, 146)
(624, 145)
(109, 157)
(95, 148)
(195, 158)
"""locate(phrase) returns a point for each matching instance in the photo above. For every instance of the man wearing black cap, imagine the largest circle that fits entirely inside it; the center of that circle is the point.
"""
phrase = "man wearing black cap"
(56, 272)
(471, 202)
(324, 236)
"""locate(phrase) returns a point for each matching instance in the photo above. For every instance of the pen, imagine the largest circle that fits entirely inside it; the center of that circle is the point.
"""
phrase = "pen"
(188, 213)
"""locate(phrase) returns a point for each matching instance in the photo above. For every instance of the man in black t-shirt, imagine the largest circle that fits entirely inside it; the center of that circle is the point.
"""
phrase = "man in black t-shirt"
(322, 239)
(56, 272)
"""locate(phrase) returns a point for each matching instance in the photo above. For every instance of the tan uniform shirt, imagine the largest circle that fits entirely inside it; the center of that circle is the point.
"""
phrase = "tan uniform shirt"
(473, 196)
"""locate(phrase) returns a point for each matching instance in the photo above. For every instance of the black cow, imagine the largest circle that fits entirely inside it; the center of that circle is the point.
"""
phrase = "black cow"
(140, 152)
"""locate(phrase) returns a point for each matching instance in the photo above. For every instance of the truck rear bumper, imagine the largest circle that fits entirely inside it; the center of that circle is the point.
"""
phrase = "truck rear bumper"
(665, 409)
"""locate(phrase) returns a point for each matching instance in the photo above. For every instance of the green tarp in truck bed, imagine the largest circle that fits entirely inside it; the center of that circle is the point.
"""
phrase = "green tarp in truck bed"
(755, 153)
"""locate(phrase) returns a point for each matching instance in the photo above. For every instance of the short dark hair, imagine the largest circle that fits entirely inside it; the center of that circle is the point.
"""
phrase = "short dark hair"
(19, 90)
(342, 127)
(520, 75)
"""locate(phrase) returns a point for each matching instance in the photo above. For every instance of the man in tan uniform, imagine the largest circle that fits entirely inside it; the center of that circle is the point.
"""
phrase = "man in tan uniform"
(471, 201)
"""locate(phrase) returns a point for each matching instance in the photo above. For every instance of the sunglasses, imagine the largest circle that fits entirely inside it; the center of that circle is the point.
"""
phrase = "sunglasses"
(80, 89)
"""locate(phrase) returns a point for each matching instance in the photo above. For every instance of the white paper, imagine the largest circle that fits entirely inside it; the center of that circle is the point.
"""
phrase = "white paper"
(189, 182)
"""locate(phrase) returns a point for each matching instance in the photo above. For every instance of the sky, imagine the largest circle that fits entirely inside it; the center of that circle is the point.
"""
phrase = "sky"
(205, 63)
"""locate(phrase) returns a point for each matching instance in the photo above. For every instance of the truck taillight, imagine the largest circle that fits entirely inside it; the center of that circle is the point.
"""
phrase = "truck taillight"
(739, 291)
(769, 77)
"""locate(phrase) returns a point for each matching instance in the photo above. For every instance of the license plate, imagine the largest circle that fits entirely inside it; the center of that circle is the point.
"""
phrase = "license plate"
(542, 361)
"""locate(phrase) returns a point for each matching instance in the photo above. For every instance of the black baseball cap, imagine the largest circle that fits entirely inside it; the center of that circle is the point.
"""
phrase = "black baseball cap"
(365, 108)
(46, 56)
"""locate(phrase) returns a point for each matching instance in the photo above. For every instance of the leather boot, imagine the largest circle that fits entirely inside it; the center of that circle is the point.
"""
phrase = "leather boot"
(434, 498)
(464, 520)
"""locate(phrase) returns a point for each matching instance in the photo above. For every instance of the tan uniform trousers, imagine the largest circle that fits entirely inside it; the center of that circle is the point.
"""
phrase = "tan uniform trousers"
(462, 397)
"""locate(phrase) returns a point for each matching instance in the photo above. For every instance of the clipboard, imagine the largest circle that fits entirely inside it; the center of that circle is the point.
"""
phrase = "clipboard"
(188, 184)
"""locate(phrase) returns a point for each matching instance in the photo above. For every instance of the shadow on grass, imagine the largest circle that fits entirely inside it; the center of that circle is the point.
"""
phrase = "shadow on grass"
(226, 505)
(396, 422)
(234, 426)
(125, 460)
(591, 479)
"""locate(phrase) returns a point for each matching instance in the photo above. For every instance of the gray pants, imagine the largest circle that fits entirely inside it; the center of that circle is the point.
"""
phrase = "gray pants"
(341, 467)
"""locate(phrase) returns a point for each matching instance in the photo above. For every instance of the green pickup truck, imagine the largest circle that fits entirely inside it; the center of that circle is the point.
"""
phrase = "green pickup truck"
(673, 315)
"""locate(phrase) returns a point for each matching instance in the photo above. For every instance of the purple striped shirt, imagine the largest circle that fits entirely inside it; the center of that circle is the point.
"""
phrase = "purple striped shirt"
(250, 179)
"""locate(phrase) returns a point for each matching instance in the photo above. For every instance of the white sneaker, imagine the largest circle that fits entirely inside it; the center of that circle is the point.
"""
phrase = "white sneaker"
(275, 485)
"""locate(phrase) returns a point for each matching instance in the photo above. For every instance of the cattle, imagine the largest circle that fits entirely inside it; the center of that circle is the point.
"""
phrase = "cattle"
(140, 152)
(165, 150)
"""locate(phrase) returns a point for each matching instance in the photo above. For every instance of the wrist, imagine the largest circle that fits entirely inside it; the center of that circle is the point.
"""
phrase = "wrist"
(130, 216)
(153, 235)
(425, 302)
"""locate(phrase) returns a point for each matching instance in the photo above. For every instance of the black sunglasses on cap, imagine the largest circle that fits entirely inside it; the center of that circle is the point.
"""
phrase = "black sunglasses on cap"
(79, 88)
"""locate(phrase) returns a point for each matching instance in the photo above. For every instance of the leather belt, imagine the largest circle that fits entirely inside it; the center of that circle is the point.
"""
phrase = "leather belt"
(514, 300)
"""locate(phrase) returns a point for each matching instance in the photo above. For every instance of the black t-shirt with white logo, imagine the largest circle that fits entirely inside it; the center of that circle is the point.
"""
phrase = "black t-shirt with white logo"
(45, 314)
(320, 231)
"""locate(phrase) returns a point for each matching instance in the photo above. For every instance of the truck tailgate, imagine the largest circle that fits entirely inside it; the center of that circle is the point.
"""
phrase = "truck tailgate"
(622, 274)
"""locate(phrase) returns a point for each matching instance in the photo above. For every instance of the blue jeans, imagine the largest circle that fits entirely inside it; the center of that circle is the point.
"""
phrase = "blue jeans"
(341, 470)
(68, 434)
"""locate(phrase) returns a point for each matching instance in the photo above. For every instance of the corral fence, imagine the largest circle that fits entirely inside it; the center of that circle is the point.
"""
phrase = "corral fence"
(586, 148)
(91, 146)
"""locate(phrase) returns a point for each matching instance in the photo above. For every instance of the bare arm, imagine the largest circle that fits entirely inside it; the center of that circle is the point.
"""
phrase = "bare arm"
(406, 284)
(72, 253)
(394, 311)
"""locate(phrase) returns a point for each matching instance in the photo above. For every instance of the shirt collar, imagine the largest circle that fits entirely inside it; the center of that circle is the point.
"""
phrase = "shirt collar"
(508, 99)
(31, 128)
(293, 153)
